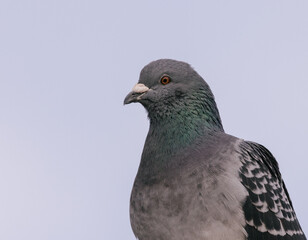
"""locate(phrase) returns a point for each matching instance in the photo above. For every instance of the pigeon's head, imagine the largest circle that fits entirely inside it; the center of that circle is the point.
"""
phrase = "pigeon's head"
(172, 88)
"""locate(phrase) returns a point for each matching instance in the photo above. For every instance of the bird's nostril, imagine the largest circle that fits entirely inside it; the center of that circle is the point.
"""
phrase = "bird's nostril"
(140, 88)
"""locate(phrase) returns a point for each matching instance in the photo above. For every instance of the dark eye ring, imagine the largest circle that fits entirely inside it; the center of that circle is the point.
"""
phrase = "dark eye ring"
(165, 80)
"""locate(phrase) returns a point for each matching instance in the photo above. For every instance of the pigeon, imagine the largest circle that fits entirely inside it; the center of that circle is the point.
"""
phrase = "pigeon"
(195, 181)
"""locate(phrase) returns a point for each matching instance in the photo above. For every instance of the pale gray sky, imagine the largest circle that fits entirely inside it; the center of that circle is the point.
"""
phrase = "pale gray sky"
(69, 150)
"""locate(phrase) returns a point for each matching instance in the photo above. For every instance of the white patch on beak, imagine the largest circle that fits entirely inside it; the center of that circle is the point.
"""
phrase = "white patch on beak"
(140, 88)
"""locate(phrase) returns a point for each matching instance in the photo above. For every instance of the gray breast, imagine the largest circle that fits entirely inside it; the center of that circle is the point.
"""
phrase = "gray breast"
(198, 201)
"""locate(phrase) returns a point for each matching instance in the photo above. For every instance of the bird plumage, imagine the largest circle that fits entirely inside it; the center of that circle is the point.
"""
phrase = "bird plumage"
(194, 180)
(268, 209)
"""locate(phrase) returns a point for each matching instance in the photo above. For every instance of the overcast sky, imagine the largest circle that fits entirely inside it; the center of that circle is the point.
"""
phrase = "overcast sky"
(69, 149)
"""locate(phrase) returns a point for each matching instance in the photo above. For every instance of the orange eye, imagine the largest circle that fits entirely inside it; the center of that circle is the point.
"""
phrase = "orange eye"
(165, 80)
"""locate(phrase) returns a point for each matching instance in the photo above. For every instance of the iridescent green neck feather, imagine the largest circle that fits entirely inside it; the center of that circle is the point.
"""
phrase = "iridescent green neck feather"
(175, 124)
(183, 119)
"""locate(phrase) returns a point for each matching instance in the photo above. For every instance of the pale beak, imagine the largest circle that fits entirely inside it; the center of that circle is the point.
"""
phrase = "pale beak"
(136, 94)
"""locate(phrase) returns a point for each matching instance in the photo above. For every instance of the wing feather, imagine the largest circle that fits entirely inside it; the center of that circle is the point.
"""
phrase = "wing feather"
(268, 208)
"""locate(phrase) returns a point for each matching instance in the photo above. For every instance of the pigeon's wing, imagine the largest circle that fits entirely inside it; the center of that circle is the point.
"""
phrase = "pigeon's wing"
(268, 209)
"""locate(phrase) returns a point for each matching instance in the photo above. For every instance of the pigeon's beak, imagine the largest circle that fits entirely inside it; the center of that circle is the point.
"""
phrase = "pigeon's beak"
(135, 95)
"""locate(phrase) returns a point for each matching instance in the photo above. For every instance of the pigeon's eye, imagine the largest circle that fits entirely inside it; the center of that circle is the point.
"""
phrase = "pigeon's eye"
(165, 80)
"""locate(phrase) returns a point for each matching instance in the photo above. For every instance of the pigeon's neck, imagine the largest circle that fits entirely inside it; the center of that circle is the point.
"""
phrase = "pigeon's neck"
(173, 134)
(186, 117)
(177, 132)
